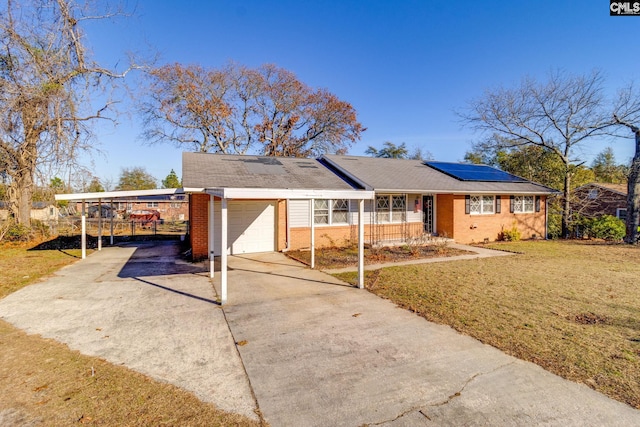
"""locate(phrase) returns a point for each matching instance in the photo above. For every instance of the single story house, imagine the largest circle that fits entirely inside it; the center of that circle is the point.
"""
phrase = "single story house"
(596, 199)
(292, 203)
(174, 207)
(245, 204)
(42, 211)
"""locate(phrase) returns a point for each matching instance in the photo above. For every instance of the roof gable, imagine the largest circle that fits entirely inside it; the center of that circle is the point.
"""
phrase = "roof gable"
(616, 188)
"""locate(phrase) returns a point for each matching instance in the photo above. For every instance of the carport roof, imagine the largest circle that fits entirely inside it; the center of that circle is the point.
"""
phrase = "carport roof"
(106, 195)
(220, 171)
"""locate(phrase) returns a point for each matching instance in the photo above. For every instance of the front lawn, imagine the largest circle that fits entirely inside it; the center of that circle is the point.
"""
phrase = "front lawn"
(572, 308)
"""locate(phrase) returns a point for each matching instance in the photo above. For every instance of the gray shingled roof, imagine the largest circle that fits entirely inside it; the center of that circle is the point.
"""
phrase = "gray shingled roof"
(202, 170)
(402, 175)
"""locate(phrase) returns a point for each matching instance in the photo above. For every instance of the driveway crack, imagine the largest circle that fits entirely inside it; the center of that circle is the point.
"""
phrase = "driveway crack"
(421, 408)
(473, 377)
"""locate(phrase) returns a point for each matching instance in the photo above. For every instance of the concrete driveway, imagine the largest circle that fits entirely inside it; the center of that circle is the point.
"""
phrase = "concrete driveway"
(320, 353)
(139, 305)
(317, 352)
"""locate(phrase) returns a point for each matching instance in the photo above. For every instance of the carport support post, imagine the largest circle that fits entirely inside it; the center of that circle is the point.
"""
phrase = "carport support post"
(83, 230)
(360, 244)
(313, 232)
(99, 224)
(211, 237)
(223, 252)
(111, 225)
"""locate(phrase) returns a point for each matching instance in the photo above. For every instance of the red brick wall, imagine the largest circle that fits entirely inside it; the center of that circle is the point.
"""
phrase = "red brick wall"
(198, 225)
(476, 228)
(347, 235)
(340, 235)
(281, 225)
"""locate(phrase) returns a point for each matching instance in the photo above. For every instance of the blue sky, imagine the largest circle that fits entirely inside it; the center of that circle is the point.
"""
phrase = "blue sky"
(404, 65)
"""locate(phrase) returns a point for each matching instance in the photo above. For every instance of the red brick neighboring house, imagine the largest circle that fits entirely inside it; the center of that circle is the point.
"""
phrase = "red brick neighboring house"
(171, 208)
(411, 198)
(597, 199)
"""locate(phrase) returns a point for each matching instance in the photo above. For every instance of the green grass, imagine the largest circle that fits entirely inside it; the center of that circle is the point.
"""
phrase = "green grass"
(572, 308)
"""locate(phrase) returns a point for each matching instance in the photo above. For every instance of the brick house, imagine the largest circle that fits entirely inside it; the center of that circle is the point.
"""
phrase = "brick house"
(173, 207)
(597, 199)
(297, 203)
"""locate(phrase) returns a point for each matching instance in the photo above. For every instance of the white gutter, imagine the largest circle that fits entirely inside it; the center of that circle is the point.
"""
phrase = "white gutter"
(116, 194)
(286, 193)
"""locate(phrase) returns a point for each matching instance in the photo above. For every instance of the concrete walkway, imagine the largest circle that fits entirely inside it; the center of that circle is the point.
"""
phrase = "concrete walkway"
(474, 253)
(320, 353)
(317, 352)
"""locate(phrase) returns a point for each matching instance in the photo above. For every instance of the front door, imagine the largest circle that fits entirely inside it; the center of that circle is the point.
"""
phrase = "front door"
(427, 213)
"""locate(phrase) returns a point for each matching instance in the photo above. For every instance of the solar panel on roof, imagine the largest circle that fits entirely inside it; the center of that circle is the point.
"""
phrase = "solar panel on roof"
(470, 172)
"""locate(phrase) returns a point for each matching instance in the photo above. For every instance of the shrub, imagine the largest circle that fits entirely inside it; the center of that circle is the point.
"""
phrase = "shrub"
(605, 227)
(512, 234)
(17, 232)
(554, 225)
(13, 232)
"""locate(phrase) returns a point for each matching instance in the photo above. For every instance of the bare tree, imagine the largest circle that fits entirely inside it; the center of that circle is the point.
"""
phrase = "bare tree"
(626, 114)
(236, 109)
(633, 186)
(557, 116)
(46, 79)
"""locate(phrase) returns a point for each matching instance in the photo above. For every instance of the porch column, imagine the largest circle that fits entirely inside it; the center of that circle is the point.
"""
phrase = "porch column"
(313, 233)
(111, 225)
(211, 237)
(99, 224)
(83, 230)
(360, 244)
(223, 251)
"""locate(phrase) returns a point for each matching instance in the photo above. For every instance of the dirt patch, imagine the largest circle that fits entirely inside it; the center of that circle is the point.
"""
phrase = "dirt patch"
(589, 319)
(337, 257)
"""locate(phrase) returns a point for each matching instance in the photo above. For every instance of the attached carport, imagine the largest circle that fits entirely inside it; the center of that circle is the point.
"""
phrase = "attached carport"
(253, 195)
(251, 187)
(110, 197)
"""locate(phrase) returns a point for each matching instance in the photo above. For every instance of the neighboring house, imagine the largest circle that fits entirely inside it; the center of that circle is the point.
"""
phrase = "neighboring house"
(42, 211)
(597, 199)
(467, 203)
(171, 207)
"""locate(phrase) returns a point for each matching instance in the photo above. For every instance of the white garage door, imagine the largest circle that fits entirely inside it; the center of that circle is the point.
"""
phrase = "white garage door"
(251, 227)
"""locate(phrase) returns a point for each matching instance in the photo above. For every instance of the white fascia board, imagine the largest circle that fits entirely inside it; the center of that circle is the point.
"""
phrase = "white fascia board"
(291, 194)
(527, 193)
(193, 190)
(119, 194)
(405, 191)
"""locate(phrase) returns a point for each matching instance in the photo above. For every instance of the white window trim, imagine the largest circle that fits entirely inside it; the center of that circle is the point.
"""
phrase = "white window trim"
(330, 219)
(533, 205)
(391, 211)
(482, 212)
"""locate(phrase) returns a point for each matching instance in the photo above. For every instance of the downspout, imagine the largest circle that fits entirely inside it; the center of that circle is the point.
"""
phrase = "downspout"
(546, 217)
